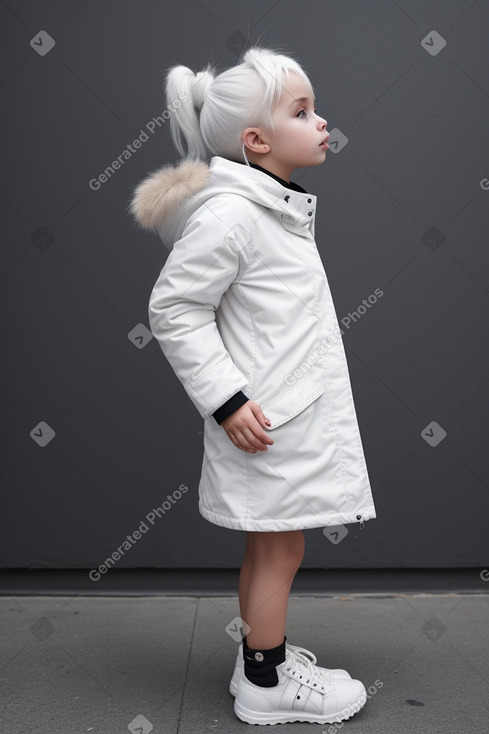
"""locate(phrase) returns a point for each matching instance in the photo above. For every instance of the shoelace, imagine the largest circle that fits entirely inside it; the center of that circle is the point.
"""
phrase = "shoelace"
(303, 652)
(306, 670)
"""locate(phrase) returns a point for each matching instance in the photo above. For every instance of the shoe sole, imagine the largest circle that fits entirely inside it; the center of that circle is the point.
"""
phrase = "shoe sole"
(288, 717)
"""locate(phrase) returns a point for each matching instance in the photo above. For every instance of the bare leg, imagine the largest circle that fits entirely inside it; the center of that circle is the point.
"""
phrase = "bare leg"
(245, 575)
(270, 564)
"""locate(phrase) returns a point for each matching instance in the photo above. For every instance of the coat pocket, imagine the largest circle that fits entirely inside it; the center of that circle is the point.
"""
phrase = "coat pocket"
(291, 402)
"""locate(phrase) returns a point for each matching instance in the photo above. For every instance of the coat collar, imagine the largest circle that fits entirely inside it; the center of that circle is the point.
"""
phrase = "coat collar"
(166, 198)
(287, 184)
(295, 209)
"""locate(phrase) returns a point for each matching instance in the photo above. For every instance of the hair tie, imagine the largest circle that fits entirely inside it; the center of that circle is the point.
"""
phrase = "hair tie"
(201, 84)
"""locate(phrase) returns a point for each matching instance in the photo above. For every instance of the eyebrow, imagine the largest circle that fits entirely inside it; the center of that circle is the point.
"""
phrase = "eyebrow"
(300, 99)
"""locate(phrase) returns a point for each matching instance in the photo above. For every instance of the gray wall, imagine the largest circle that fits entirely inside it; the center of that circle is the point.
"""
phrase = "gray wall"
(403, 207)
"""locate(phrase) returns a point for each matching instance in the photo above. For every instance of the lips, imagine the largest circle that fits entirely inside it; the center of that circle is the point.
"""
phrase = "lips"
(325, 140)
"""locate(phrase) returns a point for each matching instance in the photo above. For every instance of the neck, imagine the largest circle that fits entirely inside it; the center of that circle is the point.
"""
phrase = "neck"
(273, 168)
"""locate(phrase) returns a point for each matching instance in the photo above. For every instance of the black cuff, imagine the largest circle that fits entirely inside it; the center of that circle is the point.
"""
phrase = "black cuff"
(230, 406)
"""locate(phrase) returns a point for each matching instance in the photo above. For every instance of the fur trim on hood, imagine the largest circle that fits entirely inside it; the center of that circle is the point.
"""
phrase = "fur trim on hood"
(165, 190)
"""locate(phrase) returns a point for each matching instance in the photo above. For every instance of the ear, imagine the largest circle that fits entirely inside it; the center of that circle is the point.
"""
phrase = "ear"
(254, 140)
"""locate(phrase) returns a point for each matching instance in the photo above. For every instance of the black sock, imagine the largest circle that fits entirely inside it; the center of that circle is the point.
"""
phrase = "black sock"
(260, 666)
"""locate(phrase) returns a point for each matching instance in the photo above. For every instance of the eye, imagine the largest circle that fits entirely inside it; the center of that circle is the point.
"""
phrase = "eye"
(305, 111)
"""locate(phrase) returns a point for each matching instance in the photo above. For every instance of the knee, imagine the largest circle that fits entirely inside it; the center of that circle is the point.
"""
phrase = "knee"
(298, 549)
(284, 551)
(291, 556)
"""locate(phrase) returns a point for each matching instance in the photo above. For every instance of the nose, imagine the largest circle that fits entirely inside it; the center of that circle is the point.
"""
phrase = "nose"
(321, 122)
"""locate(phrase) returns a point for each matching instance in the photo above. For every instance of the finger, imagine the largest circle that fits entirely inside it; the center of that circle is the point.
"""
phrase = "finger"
(256, 438)
(264, 437)
(241, 439)
(241, 444)
(259, 434)
(262, 419)
(260, 415)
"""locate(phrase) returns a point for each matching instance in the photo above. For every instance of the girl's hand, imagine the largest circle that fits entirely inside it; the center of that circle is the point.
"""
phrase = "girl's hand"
(244, 428)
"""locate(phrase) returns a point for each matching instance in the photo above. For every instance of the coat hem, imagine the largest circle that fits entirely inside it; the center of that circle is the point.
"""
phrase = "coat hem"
(281, 525)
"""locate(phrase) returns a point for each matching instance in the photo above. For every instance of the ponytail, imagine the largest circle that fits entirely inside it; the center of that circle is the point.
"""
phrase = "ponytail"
(184, 121)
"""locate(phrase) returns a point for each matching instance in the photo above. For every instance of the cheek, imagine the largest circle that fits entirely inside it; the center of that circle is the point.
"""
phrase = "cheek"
(296, 130)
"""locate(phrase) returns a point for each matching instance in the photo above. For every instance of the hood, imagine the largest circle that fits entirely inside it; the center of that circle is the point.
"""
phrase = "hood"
(164, 201)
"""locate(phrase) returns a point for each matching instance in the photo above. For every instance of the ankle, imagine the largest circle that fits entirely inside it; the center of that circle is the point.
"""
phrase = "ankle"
(260, 665)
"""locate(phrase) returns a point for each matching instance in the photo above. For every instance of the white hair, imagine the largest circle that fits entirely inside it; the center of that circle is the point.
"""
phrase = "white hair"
(218, 108)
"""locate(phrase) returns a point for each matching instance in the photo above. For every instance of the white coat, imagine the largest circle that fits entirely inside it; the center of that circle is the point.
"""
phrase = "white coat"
(243, 303)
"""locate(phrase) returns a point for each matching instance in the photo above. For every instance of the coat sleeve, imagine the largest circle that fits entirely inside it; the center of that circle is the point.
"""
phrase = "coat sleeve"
(202, 265)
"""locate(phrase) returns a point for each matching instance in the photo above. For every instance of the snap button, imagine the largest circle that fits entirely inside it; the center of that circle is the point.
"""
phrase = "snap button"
(287, 198)
(310, 214)
(259, 656)
(309, 201)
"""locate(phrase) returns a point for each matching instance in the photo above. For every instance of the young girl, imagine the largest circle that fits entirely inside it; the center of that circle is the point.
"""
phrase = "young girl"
(243, 312)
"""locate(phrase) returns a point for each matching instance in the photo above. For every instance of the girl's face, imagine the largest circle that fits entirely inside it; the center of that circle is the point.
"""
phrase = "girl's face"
(299, 132)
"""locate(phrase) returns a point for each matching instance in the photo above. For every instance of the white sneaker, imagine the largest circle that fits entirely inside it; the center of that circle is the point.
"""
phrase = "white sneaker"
(239, 665)
(303, 693)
